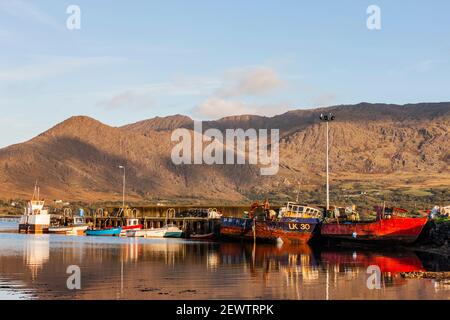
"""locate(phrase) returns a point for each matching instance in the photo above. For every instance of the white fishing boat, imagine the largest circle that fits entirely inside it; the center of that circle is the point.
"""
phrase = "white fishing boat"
(35, 218)
(131, 224)
(169, 231)
(78, 228)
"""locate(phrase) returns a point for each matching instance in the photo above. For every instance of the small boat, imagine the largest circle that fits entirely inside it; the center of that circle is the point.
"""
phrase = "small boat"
(78, 228)
(107, 232)
(204, 237)
(35, 218)
(389, 226)
(131, 224)
(169, 231)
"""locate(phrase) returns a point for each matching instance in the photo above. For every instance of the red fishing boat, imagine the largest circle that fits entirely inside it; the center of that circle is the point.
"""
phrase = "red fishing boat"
(389, 226)
(295, 223)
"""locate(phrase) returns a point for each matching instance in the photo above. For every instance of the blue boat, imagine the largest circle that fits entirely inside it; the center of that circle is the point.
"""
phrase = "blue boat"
(109, 232)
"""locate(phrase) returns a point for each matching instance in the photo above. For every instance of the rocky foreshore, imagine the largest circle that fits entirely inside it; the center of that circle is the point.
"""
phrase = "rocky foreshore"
(426, 275)
(435, 238)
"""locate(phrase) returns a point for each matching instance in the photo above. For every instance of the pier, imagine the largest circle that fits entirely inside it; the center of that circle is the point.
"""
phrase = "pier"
(190, 219)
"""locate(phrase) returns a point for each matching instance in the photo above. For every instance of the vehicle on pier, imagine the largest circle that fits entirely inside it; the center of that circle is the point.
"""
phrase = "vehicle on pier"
(391, 225)
(35, 218)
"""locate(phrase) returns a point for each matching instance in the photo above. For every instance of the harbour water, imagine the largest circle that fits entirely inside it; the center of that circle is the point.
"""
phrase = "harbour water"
(35, 267)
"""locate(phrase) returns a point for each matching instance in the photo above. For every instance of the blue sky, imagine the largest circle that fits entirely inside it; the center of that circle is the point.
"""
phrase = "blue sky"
(133, 60)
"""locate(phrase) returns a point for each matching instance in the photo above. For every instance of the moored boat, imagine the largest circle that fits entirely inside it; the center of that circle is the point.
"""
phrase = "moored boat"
(35, 218)
(389, 226)
(169, 231)
(204, 237)
(78, 228)
(107, 232)
(297, 223)
(131, 224)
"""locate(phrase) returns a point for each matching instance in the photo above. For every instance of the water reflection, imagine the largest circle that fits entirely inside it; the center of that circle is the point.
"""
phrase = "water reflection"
(36, 253)
(124, 268)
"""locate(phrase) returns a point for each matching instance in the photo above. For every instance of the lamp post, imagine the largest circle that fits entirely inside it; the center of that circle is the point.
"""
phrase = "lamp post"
(327, 118)
(123, 187)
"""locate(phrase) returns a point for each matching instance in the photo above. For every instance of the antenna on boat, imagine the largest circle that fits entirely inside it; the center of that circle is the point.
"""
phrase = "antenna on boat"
(35, 191)
(298, 192)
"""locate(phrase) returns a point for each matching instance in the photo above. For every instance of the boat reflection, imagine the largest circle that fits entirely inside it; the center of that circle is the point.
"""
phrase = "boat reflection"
(36, 253)
(169, 269)
(350, 264)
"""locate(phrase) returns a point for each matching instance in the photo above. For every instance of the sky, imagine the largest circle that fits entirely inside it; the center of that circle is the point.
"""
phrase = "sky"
(134, 60)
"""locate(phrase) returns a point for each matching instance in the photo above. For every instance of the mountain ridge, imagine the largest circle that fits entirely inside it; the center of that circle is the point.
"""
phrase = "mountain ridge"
(385, 144)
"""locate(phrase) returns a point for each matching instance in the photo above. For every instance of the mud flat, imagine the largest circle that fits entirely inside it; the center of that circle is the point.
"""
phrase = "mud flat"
(426, 275)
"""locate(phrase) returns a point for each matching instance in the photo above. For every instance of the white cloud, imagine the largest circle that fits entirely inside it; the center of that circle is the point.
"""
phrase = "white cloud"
(324, 100)
(250, 81)
(26, 11)
(128, 99)
(145, 95)
(52, 66)
(244, 82)
(214, 108)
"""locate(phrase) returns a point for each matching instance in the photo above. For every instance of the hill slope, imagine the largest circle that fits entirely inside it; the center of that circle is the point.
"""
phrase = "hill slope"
(388, 145)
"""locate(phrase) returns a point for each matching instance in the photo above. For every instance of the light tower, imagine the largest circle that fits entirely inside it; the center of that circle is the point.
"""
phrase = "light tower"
(123, 187)
(327, 118)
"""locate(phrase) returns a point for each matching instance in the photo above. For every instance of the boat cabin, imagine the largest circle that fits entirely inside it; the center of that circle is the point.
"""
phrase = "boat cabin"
(35, 207)
(295, 210)
(131, 222)
(79, 220)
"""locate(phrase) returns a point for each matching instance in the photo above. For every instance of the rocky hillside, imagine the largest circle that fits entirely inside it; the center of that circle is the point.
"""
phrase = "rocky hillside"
(381, 145)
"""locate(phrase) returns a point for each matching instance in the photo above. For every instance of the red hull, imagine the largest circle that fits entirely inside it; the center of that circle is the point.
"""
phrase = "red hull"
(396, 229)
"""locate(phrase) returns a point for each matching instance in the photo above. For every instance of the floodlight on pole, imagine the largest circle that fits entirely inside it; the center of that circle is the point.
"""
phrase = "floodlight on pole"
(327, 118)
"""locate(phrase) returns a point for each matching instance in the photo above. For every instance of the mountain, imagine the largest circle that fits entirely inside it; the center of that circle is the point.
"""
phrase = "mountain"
(378, 144)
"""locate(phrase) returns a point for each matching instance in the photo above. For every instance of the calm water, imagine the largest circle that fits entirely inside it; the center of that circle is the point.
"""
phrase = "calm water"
(34, 267)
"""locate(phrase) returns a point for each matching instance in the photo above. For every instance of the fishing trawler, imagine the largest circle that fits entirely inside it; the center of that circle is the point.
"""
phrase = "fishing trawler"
(297, 223)
(251, 227)
(35, 218)
(391, 225)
